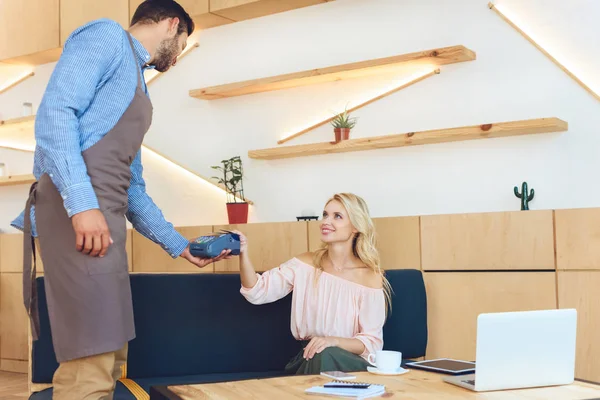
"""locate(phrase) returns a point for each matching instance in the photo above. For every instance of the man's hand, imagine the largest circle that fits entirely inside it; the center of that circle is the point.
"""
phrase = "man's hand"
(203, 262)
(91, 233)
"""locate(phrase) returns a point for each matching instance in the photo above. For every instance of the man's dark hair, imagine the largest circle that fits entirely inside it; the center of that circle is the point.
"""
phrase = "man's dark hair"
(157, 10)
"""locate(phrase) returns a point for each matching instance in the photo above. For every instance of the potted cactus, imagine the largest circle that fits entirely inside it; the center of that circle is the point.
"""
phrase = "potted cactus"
(342, 124)
(231, 181)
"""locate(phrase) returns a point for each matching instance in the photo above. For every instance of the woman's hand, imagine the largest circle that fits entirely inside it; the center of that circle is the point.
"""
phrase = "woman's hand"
(317, 345)
(243, 242)
(203, 262)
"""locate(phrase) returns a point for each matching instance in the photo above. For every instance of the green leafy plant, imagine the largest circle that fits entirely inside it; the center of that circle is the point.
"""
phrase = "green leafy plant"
(343, 120)
(231, 180)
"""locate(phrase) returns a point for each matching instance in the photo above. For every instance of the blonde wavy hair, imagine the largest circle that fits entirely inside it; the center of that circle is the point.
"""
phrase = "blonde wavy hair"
(364, 244)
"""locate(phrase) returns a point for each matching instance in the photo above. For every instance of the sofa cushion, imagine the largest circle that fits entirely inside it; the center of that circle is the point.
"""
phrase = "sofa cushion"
(198, 324)
(406, 327)
(201, 324)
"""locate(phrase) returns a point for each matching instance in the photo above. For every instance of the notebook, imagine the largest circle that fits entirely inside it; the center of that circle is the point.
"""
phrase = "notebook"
(355, 390)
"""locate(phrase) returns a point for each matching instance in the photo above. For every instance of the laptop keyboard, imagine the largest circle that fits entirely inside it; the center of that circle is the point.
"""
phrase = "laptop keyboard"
(470, 382)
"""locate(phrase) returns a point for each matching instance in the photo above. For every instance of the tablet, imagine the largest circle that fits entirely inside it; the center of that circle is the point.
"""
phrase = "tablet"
(444, 365)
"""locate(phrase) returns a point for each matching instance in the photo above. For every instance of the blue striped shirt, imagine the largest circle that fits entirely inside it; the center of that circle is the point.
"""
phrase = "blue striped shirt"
(91, 86)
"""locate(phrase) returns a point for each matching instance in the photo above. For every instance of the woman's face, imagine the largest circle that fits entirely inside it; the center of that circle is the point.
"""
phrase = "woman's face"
(335, 224)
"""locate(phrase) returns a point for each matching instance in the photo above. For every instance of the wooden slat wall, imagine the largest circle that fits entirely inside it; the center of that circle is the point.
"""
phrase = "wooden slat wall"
(488, 241)
(150, 257)
(473, 263)
(578, 239)
(579, 290)
(269, 244)
(398, 241)
(455, 300)
(13, 321)
(578, 264)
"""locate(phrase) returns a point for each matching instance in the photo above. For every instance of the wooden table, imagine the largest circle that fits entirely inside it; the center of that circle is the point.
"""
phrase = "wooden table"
(417, 385)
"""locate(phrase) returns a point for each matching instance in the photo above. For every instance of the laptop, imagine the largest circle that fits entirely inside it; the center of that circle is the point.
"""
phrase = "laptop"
(523, 349)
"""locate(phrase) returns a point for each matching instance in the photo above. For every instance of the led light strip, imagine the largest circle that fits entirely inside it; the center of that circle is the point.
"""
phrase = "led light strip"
(406, 83)
(153, 153)
(155, 74)
(502, 14)
(16, 81)
(164, 158)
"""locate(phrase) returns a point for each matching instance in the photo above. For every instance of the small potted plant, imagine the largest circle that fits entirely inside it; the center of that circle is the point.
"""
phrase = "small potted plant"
(342, 124)
(231, 180)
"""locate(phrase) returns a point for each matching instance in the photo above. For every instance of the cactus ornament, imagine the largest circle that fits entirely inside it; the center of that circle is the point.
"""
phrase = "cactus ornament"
(524, 196)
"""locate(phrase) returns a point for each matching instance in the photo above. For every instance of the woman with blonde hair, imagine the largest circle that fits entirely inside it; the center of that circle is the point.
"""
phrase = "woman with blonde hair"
(339, 292)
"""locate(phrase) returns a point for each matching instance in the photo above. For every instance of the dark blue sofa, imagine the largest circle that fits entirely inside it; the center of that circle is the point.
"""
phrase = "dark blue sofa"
(197, 328)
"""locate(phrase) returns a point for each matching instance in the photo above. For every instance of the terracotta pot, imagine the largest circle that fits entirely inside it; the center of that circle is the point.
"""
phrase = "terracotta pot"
(341, 134)
(237, 213)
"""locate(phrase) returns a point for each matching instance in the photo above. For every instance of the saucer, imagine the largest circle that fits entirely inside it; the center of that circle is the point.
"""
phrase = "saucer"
(399, 371)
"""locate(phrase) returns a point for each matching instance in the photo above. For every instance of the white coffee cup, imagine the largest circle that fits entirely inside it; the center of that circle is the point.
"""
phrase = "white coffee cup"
(386, 360)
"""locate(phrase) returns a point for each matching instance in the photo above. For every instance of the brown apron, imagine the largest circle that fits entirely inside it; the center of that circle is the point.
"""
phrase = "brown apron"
(89, 298)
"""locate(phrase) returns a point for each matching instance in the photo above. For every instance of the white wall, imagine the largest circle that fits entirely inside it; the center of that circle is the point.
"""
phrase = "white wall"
(510, 80)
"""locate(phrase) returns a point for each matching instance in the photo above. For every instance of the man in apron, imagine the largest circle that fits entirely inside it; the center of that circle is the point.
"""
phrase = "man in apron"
(89, 131)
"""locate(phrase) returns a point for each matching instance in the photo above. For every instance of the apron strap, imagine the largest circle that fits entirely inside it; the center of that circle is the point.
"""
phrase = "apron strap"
(30, 297)
(139, 72)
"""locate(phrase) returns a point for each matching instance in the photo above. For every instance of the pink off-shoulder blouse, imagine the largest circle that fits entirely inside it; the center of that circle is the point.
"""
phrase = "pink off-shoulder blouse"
(333, 306)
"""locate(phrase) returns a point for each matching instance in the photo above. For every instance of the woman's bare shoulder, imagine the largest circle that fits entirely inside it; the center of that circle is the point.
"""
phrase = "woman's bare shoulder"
(307, 258)
(371, 279)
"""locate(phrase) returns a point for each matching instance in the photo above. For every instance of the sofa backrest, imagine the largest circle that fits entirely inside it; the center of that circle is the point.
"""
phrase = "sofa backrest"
(191, 324)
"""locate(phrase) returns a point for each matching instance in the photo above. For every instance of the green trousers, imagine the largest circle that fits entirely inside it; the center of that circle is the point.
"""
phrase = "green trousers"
(330, 359)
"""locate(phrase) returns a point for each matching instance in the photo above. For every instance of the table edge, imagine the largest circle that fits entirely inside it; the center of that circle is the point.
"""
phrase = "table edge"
(162, 392)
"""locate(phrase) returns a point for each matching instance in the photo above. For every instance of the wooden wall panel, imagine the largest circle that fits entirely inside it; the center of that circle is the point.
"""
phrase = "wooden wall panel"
(580, 290)
(398, 242)
(488, 241)
(455, 299)
(269, 244)
(13, 318)
(150, 257)
(75, 13)
(578, 238)
(31, 25)
(20, 366)
(314, 235)
(192, 7)
(197, 9)
(11, 253)
(239, 10)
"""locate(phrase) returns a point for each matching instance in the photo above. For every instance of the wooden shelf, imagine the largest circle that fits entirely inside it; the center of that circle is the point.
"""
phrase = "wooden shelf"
(17, 134)
(17, 121)
(240, 10)
(17, 180)
(433, 57)
(485, 131)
